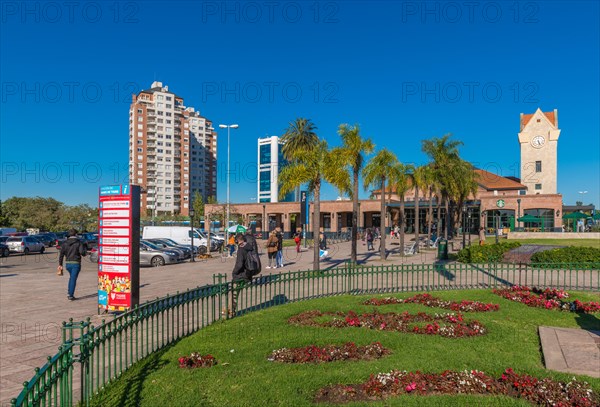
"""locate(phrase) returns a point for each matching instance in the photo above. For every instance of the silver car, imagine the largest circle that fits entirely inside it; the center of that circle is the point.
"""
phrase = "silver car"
(25, 244)
(152, 256)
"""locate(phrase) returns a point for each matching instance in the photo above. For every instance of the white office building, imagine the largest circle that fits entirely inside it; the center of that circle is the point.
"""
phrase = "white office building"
(270, 161)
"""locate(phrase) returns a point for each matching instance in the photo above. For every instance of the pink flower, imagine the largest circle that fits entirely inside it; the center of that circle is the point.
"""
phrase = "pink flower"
(411, 387)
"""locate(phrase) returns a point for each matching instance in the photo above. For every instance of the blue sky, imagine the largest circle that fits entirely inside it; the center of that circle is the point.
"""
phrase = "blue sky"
(403, 70)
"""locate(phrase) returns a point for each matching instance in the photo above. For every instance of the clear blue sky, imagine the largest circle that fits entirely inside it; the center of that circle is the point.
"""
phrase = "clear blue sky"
(404, 71)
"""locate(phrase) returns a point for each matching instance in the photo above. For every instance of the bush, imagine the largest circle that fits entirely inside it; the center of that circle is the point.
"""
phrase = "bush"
(570, 254)
(485, 254)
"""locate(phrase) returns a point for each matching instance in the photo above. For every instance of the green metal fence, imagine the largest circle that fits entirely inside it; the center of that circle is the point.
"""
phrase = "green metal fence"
(104, 352)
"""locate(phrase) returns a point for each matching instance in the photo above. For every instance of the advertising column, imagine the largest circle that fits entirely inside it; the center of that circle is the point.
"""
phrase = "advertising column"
(118, 247)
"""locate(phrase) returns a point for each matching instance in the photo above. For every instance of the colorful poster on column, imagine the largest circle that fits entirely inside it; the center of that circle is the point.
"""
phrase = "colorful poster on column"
(118, 247)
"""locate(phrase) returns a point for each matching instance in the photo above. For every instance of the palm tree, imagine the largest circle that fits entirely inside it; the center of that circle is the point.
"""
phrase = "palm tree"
(299, 137)
(464, 180)
(419, 181)
(376, 174)
(443, 152)
(352, 153)
(400, 181)
(431, 188)
(313, 165)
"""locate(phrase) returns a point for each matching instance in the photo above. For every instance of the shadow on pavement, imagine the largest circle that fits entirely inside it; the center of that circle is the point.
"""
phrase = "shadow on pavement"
(500, 280)
(440, 268)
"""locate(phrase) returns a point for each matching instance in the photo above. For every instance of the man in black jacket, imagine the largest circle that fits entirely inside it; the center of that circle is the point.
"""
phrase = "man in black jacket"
(240, 276)
(73, 250)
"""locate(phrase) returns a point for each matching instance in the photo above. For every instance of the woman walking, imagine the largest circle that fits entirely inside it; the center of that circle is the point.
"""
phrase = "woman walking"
(272, 249)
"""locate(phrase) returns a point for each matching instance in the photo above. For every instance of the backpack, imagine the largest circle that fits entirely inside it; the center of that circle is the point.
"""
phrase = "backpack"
(252, 263)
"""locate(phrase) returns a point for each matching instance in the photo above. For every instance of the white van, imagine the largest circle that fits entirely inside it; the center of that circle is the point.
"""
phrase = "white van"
(180, 234)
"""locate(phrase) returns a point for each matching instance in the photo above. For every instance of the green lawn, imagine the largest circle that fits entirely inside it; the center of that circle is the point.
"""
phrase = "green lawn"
(554, 242)
(244, 377)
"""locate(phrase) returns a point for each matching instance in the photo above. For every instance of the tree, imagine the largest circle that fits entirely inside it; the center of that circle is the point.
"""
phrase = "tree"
(442, 152)
(313, 164)
(419, 180)
(431, 186)
(299, 137)
(3, 218)
(375, 174)
(579, 203)
(400, 181)
(463, 179)
(352, 154)
(198, 205)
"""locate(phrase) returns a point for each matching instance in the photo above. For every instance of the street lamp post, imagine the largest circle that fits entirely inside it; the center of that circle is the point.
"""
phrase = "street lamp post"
(192, 213)
(469, 225)
(228, 127)
(518, 213)
(464, 215)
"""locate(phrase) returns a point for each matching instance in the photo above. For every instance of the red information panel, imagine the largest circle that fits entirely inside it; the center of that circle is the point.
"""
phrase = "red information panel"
(118, 247)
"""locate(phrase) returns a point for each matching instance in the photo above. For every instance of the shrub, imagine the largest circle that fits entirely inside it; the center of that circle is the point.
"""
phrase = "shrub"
(569, 254)
(485, 254)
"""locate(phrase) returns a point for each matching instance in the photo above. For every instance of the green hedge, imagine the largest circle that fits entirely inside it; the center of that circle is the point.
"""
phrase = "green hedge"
(570, 254)
(486, 253)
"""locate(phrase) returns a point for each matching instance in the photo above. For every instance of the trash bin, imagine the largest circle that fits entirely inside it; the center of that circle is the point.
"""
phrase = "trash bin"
(443, 249)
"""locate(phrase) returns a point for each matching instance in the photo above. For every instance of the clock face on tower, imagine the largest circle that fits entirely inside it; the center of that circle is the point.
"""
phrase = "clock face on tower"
(538, 141)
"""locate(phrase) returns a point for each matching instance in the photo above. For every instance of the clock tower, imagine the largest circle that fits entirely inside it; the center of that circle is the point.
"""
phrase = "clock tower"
(538, 137)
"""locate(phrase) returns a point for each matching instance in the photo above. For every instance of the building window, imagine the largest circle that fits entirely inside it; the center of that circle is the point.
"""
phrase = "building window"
(538, 186)
(538, 166)
(522, 192)
(265, 181)
(265, 154)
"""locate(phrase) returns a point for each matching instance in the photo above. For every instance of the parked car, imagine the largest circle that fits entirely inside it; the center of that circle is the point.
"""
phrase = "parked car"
(187, 251)
(89, 240)
(25, 244)
(4, 250)
(3, 239)
(198, 249)
(150, 255)
(179, 252)
(49, 239)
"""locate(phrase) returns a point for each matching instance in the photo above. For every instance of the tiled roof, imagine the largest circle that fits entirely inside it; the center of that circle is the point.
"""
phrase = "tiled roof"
(526, 117)
(486, 180)
(491, 181)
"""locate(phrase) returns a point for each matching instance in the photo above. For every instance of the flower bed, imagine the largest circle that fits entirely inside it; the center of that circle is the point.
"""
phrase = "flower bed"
(430, 301)
(447, 325)
(548, 298)
(196, 360)
(543, 392)
(331, 353)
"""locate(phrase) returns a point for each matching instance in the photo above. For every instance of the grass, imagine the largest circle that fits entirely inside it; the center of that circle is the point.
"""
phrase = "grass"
(244, 377)
(553, 242)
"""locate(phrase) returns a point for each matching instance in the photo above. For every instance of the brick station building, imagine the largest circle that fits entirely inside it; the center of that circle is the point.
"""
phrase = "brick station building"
(498, 203)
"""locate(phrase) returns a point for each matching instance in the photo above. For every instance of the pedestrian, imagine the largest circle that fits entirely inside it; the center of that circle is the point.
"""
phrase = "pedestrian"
(322, 241)
(481, 236)
(369, 239)
(272, 244)
(279, 258)
(297, 240)
(231, 244)
(240, 275)
(73, 250)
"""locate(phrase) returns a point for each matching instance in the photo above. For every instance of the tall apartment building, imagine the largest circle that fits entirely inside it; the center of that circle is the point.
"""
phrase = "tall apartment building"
(270, 162)
(172, 151)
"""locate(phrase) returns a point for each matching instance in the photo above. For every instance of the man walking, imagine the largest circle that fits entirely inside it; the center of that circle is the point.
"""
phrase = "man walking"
(242, 273)
(73, 250)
